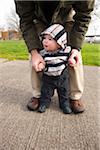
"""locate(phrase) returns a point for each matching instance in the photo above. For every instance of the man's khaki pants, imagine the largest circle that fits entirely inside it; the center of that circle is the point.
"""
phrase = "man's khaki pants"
(76, 81)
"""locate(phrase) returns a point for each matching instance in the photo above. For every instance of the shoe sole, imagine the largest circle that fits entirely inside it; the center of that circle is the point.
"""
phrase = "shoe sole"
(78, 112)
(31, 109)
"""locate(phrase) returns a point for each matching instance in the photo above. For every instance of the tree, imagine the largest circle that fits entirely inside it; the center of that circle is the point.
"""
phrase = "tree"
(96, 11)
(13, 22)
(95, 21)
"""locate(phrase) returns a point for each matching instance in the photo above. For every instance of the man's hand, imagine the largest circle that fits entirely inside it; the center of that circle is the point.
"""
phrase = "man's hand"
(74, 58)
(37, 61)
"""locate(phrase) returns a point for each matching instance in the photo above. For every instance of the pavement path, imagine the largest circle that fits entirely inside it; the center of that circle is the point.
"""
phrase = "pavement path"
(21, 129)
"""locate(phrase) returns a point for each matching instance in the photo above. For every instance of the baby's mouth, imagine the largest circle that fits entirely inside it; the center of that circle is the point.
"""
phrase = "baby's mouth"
(46, 46)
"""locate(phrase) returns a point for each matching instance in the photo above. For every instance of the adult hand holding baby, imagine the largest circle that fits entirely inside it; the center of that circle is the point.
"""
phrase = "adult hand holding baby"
(74, 58)
(37, 61)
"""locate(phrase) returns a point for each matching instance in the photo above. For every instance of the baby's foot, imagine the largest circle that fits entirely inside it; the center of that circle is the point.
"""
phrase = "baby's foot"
(42, 108)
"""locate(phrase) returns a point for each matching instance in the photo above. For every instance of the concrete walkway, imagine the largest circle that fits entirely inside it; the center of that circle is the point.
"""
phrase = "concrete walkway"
(21, 129)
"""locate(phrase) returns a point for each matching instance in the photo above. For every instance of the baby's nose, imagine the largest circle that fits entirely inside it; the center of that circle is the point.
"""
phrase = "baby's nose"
(46, 41)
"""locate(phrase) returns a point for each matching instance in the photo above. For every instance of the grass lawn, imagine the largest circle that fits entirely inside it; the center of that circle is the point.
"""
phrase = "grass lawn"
(13, 50)
(91, 54)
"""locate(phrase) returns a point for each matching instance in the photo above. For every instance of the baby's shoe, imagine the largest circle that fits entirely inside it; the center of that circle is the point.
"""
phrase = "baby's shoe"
(42, 108)
(66, 108)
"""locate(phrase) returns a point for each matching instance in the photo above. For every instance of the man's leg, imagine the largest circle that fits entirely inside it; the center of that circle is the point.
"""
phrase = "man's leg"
(76, 86)
(33, 104)
(36, 82)
(36, 77)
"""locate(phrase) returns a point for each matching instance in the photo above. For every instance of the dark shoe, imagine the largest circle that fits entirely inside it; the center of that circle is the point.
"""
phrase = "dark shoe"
(66, 108)
(77, 106)
(42, 108)
(33, 104)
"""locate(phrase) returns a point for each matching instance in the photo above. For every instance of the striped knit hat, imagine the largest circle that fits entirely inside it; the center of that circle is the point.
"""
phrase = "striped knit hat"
(58, 33)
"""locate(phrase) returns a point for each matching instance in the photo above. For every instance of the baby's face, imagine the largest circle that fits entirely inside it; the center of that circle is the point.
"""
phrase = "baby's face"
(49, 43)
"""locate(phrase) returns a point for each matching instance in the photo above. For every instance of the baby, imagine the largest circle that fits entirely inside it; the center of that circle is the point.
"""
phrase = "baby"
(56, 54)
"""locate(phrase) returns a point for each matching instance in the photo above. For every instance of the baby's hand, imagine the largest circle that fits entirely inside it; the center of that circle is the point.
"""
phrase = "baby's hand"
(41, 66)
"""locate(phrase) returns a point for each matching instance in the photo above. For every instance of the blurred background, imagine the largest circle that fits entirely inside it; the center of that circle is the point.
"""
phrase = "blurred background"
(12, 45)
(9, 22)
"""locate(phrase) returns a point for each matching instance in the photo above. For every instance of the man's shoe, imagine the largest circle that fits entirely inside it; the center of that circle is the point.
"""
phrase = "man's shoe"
(77, 106)
(42, 108)
(33, 104)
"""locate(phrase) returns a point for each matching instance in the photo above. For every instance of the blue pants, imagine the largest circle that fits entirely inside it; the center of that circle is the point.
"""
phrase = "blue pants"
(50, 83)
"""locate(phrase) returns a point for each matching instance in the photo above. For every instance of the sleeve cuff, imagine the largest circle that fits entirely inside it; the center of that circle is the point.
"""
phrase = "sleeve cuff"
(76, 48)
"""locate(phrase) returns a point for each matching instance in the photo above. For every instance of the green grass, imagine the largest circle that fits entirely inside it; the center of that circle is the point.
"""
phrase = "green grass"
(91, 54)
(13, 50)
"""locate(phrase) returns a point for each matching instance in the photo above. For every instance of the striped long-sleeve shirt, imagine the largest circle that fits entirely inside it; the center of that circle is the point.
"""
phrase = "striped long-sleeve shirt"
(55, 61)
